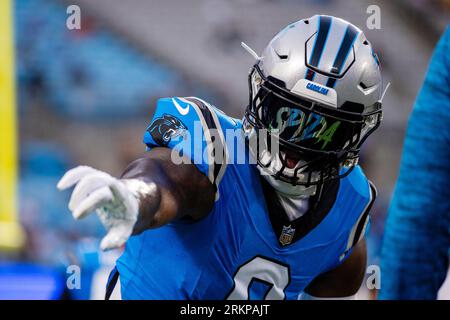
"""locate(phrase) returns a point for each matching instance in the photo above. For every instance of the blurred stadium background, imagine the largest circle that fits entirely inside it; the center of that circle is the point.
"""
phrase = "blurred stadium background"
(85, 97)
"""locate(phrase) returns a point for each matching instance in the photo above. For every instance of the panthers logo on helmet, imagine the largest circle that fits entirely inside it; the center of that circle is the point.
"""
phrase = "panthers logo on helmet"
(165, 128)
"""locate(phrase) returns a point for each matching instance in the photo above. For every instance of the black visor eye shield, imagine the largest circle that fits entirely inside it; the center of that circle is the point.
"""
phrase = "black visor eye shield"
(323, 136)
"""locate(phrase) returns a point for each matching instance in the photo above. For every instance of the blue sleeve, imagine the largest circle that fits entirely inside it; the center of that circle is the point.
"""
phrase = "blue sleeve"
(417, 233)
(190, 127)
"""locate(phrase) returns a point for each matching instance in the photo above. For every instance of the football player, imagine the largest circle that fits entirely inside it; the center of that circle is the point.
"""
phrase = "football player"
(284, 221)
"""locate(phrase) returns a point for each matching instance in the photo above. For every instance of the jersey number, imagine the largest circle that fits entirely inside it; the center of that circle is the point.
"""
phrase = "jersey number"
(267, 271)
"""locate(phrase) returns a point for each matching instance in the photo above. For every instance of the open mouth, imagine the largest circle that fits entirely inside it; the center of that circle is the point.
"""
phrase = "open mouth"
(291, 160)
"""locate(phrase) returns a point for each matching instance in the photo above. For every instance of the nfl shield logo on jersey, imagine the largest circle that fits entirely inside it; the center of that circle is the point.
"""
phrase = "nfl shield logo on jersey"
(287, 234)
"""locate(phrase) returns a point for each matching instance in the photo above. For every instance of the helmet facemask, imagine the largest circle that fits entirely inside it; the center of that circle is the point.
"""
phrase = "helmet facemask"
(316, 143)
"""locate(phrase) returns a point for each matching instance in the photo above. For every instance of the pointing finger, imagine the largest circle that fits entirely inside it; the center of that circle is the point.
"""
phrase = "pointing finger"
(95, 200)
(72, 176)
(85, 186)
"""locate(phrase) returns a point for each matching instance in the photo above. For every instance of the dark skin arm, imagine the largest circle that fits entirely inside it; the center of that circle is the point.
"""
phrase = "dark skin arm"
(181, 190)
(345, 280)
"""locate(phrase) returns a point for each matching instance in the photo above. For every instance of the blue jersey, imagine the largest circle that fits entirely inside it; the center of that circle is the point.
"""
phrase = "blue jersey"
(242, 249)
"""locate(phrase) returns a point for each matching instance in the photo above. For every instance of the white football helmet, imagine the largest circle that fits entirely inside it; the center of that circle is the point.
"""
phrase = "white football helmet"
(317, 88)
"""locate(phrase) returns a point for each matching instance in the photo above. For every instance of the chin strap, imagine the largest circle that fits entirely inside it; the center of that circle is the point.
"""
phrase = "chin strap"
(285, 188)
(384, 92)
(251, 51)
(301, 192)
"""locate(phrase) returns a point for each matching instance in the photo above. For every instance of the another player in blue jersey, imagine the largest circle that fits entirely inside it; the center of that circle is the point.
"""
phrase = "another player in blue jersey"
(415, 254)
(273, 206)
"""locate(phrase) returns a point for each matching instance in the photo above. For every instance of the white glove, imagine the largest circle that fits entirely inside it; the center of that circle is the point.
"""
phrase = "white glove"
(116, 205)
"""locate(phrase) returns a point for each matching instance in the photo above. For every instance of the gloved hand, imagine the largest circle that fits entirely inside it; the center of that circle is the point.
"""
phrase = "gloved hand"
(116, 205)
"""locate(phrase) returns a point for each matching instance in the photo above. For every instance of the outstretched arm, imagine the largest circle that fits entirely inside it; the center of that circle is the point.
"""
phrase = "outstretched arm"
(151, 192)
(179, 190)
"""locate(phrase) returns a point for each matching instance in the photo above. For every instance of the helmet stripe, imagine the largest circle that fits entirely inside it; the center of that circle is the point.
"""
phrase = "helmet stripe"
(319, 45)
(347, 43)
